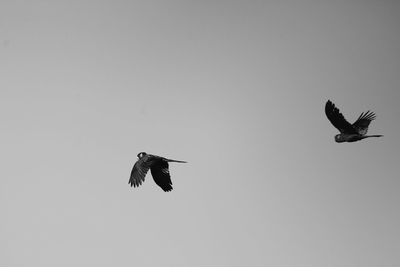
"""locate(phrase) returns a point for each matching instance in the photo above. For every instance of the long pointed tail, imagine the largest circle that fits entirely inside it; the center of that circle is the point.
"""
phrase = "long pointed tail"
(375, 135)
(179, 161)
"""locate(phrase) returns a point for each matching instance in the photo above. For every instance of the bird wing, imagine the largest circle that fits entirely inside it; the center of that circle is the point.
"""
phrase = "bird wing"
(139, 171)
(338, 120)
(160, 172)
(362, 123)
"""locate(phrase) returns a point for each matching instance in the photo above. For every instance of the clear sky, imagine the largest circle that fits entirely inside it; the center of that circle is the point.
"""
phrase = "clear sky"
(237, 89)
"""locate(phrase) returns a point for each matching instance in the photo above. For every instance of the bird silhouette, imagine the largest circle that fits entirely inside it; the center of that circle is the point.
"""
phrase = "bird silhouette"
(349, 132)
(158, 167)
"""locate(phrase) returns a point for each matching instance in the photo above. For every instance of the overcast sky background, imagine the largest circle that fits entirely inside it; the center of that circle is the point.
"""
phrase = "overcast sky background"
(237, 89)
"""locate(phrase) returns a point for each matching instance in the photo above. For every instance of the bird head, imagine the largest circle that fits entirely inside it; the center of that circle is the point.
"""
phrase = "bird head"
(339, 138)
(141, 154)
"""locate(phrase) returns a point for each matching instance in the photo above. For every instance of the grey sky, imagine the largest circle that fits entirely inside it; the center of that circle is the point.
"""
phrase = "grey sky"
(237, 89)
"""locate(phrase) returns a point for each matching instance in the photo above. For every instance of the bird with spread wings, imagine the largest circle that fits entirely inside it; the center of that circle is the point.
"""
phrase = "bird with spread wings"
(158, 167)
(349, 132)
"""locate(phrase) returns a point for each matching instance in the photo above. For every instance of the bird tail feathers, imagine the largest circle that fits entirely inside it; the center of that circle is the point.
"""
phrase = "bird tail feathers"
(375, 135)
(179, 161)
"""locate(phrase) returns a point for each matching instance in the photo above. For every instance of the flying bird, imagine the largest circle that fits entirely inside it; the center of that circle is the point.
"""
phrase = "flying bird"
(158, 167)
(349, 132)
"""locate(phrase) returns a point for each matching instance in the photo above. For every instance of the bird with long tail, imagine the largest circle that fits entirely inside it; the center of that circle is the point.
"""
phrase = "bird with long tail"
(158, 167)
(349, 132)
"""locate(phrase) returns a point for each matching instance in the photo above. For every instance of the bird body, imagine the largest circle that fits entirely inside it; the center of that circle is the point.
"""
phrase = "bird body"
(340, 138)
(349, 132)
(158, 167)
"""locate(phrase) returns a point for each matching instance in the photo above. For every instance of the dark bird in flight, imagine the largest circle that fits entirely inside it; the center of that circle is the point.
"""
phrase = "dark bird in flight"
(349, 132)
(158, 167)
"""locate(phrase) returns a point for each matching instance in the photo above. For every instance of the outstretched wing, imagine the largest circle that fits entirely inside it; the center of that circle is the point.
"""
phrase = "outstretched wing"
(160, 173)
(362, 123)
(139, 171)
(338, 120)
